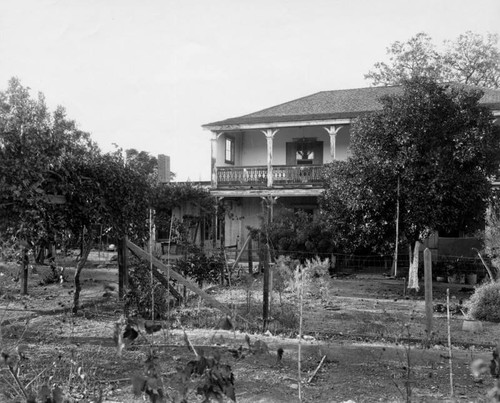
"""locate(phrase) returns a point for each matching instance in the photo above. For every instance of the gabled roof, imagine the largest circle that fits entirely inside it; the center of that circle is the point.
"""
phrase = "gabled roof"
(329, 105)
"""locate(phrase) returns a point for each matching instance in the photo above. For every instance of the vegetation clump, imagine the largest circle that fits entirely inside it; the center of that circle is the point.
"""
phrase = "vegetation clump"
(145, 296)
(200, 266)
(484, 304)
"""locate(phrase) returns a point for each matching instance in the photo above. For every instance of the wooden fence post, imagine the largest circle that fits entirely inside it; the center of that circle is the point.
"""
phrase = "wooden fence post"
(265, 293)
(24, 271)
(428, 290)
(122, 267)
(250, 257)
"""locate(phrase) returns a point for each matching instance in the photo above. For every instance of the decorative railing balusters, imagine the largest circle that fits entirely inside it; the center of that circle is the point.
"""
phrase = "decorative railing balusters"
(283, 175)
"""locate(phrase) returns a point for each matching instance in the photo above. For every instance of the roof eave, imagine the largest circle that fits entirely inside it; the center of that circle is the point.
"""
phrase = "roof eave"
(275, 125)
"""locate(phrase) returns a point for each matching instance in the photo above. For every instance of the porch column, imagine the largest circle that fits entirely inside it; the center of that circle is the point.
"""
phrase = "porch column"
(269, 133)
(332, 131)
(213, 142)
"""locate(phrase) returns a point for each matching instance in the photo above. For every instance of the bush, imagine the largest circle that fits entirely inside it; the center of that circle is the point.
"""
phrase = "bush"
(297, 234)
(316, 277)
(138, 301)
(484, 304)
(282, 276)
(315, 268)
(203, 268)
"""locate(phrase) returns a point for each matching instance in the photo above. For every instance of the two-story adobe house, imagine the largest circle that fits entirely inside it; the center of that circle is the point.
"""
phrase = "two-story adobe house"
(275, 155)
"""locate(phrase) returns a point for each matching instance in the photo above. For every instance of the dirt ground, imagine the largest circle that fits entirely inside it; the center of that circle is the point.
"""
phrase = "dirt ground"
(369, 331)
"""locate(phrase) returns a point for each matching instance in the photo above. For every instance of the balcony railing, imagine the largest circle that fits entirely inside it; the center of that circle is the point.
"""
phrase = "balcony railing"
(283, 176)
(298, 175)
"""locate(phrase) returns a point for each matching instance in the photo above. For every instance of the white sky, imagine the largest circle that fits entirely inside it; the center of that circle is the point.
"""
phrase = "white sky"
(147, 74)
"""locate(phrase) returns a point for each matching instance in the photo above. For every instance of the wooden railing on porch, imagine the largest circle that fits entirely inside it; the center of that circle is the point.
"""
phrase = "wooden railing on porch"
(299, 174)
(247, 175)
(283, 175)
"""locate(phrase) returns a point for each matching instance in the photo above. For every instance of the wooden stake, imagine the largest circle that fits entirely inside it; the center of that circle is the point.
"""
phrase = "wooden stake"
(428, 290)
(240, 253)
(450, 359)
(250, 257)
(492, 279)
(316, 370)
(299, 369)
(265, 294)
(122, 267)
(396, 252)
(24, 271)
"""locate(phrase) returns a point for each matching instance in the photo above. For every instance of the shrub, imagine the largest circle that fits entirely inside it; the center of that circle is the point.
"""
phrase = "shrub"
(282, 276)
(56, 275)
(316, 277)
(285, 321)
(297, 234)
(315, 268)
(138, 299)
(484, 304)
(200, 266)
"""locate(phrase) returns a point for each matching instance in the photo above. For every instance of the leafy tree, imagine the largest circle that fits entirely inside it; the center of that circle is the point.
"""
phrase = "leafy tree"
(491, 234)
(358, 205)
(441, 146)
(44, 154)
(472, 59)
(141, 161)
(166, 198)
(33, 145)
(101, 189)
(469, 59)
(296, 234)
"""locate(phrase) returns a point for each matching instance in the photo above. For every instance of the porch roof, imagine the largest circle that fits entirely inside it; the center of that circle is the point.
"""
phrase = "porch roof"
(330, 105)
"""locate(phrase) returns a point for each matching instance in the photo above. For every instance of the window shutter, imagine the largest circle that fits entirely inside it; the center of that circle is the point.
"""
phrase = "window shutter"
(291, 150)
(318, 153)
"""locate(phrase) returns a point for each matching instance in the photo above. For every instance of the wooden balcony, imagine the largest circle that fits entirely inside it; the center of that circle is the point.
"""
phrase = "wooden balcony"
(290, 176)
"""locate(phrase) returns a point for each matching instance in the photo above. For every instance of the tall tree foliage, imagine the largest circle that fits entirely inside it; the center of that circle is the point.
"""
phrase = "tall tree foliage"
(442, 147)
(33, 147)
(469, 59)
(102, 190)
(44, 154)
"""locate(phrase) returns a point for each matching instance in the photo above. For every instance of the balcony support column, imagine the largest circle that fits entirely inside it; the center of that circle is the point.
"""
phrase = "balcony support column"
(269, 133)
(332, 131)
(215, 137)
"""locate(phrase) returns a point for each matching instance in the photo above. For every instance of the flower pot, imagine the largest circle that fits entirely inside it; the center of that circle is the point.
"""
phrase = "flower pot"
(472, 278)
(453, 279)
(471, 325)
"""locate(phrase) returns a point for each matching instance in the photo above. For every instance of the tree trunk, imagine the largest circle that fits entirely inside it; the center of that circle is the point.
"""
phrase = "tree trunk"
(24, 271)
(413, 272)
(86, 246)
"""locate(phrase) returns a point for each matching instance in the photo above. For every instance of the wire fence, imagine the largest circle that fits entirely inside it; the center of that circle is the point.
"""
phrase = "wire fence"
(347, 263)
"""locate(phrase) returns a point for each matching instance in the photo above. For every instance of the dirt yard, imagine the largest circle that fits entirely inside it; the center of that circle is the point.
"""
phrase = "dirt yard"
(368, 330)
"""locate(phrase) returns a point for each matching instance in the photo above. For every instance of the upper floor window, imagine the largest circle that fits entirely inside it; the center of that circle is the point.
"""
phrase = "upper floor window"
(304, 152)
(229, 150)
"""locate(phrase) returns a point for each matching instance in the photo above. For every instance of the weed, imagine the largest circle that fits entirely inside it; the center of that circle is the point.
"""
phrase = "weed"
(282, 276)
(150, 382)
(56, 275)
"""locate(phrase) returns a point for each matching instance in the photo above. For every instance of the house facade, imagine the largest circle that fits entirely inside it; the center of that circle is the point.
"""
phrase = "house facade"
(274, 157)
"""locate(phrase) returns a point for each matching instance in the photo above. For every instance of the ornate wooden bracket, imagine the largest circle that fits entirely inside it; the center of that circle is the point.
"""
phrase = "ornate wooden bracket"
(332, 131)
